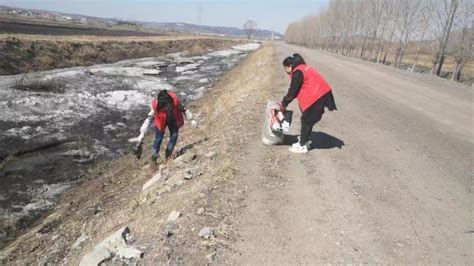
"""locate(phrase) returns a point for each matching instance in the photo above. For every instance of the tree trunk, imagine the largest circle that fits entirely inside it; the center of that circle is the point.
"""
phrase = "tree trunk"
(389, 43)
(372, 45)
(402, 49)
(418, 48)
(445, 37)
(457, 71)
(380, 50)
(362, 51)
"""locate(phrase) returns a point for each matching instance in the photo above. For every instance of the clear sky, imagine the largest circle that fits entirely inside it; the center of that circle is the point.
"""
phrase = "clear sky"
(271, 15)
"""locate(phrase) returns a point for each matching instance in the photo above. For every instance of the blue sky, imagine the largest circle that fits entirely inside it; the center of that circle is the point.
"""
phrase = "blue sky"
(267, 13)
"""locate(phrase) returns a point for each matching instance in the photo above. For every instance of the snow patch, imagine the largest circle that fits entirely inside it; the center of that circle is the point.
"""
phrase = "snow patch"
(149, 64)
(151, 72)
(123, 100)
(225, 53)
(53, 190)
(181, 78)
(64, 74)
(247, 47)
(119, 71)
(186, 67)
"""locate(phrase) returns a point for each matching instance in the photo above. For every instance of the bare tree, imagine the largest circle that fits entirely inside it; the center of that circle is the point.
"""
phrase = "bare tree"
(462, 41)
(385, 22)
(451, 7)
(250, 27)
(375, 7)
(377, 29)
(393, 17)
(409, 10)
(424, 22)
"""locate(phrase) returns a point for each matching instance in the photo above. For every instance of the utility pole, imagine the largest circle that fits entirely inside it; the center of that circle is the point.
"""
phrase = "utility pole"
(200, 17)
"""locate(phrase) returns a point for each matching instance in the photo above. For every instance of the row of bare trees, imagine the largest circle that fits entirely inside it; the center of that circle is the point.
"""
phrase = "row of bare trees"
(373, 29)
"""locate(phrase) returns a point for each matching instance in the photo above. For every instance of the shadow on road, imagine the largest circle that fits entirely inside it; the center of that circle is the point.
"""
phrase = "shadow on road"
(320, 140)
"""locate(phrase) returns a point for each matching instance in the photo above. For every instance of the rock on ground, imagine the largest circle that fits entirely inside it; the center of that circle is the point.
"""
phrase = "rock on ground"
(151, 182)
(103, 251)
(206, 232)
(96, 256)
(129, 253)
(173, 217)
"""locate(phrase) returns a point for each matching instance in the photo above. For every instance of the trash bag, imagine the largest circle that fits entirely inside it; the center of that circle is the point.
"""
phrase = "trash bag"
(275, 123)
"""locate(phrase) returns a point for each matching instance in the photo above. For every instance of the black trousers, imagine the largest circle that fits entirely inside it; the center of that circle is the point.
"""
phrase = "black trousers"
(306, 130)
(313, 115)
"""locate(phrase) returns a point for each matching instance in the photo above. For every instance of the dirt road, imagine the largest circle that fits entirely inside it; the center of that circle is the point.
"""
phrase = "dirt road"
(389, 179)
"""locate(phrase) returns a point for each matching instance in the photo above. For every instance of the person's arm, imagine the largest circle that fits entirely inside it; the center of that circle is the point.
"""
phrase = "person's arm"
(295, 86)
(145, 125)
(182, 108)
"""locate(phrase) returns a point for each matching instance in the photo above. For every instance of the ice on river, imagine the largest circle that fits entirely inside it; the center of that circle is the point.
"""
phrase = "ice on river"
(97, 109)
(123, 100)
(247, 47)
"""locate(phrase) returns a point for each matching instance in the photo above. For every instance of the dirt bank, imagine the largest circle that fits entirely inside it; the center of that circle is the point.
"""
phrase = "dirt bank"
(40, 27)
(23, 53)
(111, 197)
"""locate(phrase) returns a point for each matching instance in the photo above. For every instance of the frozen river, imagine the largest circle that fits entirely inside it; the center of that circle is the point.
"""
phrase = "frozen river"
(57, 123)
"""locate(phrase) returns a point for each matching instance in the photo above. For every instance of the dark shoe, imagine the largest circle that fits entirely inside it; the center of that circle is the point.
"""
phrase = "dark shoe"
(153, 165)
(169, 156)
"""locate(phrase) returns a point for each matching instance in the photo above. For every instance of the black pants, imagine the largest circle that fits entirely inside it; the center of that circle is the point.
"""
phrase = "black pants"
(313, 115)
(306, 130)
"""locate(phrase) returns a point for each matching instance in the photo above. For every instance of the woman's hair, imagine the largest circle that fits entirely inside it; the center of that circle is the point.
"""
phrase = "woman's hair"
(298, 59)
(294, 60)
(164, 101)
(288, 61)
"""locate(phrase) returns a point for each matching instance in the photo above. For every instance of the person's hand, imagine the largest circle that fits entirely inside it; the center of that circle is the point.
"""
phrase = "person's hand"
(189, 115)
(282, 108)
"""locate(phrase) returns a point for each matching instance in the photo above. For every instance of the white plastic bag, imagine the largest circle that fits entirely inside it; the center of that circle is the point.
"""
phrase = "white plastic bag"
(273, 125)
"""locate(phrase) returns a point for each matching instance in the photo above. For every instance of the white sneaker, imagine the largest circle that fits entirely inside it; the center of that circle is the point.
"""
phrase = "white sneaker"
(297, 148)
(307, 145)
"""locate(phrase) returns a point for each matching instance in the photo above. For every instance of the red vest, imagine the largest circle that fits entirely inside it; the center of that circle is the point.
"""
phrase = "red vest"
(160, 115)
(314, 86)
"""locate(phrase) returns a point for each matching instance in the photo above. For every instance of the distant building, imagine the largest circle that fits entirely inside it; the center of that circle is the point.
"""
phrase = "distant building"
(46, 16)
(64, 18)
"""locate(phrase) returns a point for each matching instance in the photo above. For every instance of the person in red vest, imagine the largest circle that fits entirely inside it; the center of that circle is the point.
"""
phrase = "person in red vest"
(313, 94)
(166, 112)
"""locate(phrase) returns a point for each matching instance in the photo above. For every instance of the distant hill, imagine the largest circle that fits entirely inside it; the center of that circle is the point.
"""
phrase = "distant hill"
(219, 30)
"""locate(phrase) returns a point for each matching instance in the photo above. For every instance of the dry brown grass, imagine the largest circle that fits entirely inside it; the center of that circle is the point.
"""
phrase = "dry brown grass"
(27, 53)
(93, 38)
(425, 62)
